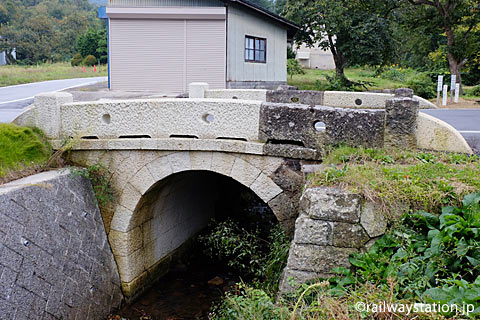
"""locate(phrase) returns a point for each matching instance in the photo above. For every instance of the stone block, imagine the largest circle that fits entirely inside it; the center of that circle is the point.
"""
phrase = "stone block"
(179, 161)
(129, 197)
(244, 172)
(131, 266)
(313, 127)
(401, 123)
(240, 94)
(313, 98)
(143, 180)
(319, 259)
(331, 204)
(48, 113)
(201, 160)
(309, 231)
(160, 168)
(435, 134)
(222, 163)
(197, 89)
(121, 220)
(373, 219)
(125, 243)
(265, 188)
(349, 235)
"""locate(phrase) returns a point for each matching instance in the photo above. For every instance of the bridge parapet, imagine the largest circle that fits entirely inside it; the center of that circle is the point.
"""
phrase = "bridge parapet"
(280, 129)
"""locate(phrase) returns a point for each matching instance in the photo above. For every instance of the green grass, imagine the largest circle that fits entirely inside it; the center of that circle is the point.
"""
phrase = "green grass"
(16, 74)
(399, 179)
(21, 148)
(307, 81)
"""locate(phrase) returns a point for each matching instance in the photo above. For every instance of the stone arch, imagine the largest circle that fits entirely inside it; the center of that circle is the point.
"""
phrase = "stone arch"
(127, 227)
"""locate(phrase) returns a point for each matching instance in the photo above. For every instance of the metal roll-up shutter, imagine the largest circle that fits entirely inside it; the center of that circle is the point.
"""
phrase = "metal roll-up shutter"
(206, 52)
(166, 55)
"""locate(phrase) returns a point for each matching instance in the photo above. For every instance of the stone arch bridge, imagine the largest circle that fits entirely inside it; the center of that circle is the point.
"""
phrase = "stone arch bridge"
(166, 157)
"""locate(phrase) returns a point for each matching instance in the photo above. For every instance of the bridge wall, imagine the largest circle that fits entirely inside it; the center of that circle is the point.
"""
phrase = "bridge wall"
(163, 198)
(55, 260)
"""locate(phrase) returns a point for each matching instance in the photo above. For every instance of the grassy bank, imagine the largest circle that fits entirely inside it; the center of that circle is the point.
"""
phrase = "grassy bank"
(419, 180)
(21, 149)
(16, 74)
(428, 255)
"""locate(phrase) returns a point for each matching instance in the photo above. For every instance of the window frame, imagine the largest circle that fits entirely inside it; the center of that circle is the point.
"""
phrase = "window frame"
(255, 49)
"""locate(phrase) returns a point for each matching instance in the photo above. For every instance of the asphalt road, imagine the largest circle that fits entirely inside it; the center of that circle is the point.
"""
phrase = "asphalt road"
(466, 121)
(14, 99)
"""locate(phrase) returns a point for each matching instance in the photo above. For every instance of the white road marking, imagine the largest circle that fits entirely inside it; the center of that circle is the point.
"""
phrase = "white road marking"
(71, 87)
(477, 132)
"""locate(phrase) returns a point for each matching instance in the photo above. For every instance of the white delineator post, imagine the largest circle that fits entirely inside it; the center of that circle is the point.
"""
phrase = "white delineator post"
(445, 95)
(457, 92)
(452, 86)
(439, 88)
(197, 90)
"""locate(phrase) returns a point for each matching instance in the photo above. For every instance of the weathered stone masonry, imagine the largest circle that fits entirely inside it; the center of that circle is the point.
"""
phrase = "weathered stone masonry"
(55, 260)
(332, 225)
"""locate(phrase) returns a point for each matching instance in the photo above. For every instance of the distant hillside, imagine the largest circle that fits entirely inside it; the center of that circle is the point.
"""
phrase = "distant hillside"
(45, 30)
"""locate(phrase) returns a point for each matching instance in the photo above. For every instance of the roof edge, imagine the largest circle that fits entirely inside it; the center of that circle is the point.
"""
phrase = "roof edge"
(291, 25)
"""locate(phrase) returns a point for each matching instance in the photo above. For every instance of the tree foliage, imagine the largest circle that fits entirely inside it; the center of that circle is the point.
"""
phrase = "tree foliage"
(459, 21)
(44, 30)
(356, 31)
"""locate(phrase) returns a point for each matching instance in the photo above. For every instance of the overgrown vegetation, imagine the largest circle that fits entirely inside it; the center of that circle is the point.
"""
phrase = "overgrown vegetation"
(419, 180)
(430, 258)
(260, 260)
(100, 179)
(21, 148)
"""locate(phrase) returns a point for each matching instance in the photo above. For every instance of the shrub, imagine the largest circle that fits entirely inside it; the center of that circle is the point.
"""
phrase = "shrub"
(89, 60)
(293, 68)
(247, 253)
(422, 85)
(76, 60)
(98, 175)
(475, 91)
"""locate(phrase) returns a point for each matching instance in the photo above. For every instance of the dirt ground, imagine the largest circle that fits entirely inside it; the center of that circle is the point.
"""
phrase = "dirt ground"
(468, 103)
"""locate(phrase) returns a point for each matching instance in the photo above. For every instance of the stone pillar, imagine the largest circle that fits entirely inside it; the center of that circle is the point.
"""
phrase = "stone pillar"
(197, 90)
(401, 113)
(330, 227)
(47, 110)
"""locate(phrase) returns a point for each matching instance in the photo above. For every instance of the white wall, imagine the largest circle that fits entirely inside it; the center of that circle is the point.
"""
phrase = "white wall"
(242, 23)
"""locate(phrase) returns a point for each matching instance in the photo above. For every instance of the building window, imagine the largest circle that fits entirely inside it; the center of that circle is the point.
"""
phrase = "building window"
(255, 49)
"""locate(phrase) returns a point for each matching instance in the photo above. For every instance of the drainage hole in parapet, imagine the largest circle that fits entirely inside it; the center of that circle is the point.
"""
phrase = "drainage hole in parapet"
(234, 97)
(319, 126)
(358, 102)
(106, 118)
(183, 136)
(231, 138)
(208, 118)
(135, 136)
(90, 138)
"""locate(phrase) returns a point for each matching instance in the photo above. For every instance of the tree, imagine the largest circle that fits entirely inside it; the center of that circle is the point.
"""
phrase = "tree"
(356, 31)
(294, 67)
(459, 18)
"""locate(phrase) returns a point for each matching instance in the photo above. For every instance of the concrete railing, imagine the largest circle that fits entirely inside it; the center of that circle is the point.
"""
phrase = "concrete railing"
(279, 129)
(340, 99)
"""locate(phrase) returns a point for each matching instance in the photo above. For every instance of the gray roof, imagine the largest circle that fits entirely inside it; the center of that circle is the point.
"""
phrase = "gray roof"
(291, 27)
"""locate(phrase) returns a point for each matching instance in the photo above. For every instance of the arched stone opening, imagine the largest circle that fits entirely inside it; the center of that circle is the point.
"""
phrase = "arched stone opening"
(167, 216)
